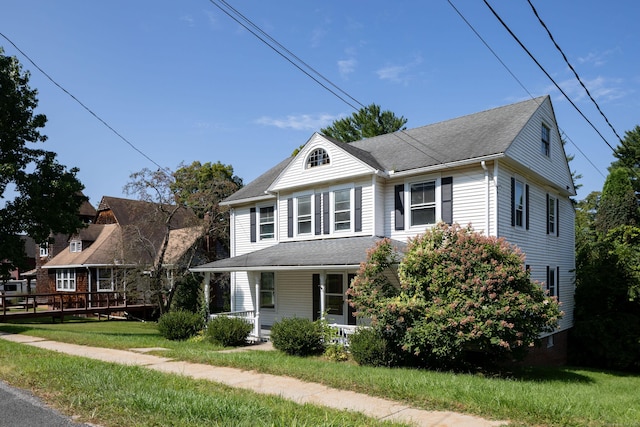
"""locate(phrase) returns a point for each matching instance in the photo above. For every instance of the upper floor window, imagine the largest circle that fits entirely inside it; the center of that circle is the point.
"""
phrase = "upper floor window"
(75, 246)
(65, 280)
(44, 250)
(342, 210)
(318, 157)
(551, 216)
(267, 223)
(304, 214)
(423, 203)
(267, 290)
(518, 203)
(552, 281)
(545, 146)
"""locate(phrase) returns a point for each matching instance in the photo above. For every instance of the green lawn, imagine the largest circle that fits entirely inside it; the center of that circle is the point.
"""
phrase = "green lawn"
(554, 397)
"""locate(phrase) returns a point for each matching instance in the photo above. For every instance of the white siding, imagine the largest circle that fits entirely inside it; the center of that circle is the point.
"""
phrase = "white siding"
(242, 231)
(526, 149)
(342, 166)
(542, 249)
(470, 198)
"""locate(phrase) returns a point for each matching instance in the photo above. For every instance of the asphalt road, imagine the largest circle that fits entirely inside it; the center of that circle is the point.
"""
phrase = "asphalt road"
(19, 408)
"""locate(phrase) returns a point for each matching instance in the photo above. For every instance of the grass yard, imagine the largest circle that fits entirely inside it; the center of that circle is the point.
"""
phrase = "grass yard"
(540, 397)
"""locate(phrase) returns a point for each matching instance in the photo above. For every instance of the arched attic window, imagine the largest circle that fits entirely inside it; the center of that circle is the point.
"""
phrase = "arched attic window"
(318, 157)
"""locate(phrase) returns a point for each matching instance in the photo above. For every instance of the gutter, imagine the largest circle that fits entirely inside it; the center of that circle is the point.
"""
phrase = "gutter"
(443, 166)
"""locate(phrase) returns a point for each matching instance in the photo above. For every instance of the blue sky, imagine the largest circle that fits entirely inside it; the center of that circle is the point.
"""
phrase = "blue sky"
(182, 81)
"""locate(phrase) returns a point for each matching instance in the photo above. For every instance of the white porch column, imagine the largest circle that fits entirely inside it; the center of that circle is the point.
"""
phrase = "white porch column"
(207, 293)
(257, 325)
(323, 293)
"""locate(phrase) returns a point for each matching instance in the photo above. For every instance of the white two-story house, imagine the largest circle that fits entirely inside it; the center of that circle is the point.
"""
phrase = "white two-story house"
(300, 231)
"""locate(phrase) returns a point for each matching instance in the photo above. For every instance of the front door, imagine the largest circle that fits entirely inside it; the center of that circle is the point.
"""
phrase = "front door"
(335, 302)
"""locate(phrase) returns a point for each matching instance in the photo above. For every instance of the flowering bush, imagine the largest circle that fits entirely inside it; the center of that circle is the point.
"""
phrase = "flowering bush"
(461, 298)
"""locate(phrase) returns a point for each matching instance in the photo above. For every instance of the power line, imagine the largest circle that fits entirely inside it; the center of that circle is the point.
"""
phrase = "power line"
(89, 110)
(533, 58)
(518, 80)
(575, 73)
(248, 25)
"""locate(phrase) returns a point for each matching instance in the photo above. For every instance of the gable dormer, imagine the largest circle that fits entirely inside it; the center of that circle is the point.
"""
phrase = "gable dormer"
(320, 161)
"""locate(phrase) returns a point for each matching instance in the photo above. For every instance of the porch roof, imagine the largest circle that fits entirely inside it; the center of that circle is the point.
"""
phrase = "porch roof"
(341, 253)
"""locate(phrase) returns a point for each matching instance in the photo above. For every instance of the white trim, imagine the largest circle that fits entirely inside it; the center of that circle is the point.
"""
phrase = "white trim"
(441, 167)
(274, 268)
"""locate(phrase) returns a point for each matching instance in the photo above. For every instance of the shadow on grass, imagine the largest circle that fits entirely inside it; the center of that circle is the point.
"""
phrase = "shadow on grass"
(551, 374)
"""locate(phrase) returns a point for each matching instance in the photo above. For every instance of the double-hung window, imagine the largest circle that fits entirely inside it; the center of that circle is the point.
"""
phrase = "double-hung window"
(423, 203)
(106, 279)
(65, 280)
(552, 281)
(267, 223)
(304, 214)
(552, 215)
(545, 140)
(519, 203)
(342, 210)
(267, 290)
(44, 250)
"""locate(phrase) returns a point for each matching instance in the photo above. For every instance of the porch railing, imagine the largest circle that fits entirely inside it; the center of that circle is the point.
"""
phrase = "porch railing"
(342, 333)
(248, 316)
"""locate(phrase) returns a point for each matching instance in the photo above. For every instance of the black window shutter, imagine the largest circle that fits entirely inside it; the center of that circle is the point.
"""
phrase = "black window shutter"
(513, 202)
(326, 222)
(351, 318)
(316, 296)
(399, 206)
(558, 283)
(446, 187)
(557, 217)
(290, 217)
(548, 213)
(252, 221)
(318, 213)
(548, 281)
(358, 209)
(526, 203)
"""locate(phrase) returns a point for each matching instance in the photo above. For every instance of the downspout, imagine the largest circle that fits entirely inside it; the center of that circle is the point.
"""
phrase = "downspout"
(487, 218)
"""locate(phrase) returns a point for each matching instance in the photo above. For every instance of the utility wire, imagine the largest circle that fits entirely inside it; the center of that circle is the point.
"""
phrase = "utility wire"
(575, 73)
(247, 24)
(518, 80)
(546, 73)
(89, 110)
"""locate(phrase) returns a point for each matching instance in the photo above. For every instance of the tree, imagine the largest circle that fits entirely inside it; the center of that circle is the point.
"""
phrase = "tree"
(365, 123)
(628, 155)
(618, 204)
(43, 196)
(461, 294)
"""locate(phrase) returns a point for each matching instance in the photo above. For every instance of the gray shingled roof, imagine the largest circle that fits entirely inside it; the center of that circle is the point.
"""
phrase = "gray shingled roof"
(477, 135)
(344, 252)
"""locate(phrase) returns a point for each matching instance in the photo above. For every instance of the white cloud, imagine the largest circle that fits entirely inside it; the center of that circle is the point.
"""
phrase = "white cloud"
(188, 19)
(347, 66)
(399, 73)
(601, 88)
(305, 122)
(597, 58)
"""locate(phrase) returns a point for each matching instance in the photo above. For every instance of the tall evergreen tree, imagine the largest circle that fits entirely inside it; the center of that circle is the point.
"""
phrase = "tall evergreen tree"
(618, 204)
(628, 155)
(365, 123)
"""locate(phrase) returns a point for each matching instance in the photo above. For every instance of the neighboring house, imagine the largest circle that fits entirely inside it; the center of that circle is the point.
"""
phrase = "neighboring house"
(124, 239)
(46, 252)
(300, 231)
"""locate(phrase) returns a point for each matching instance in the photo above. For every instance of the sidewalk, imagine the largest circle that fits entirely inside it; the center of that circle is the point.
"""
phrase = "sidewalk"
(285, 387)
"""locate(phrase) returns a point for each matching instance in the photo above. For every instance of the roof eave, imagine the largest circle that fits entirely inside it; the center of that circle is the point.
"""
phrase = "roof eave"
(275, 268)
(446, 165)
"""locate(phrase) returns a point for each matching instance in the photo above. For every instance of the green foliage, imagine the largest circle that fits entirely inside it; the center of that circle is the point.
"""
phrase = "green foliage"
(189, 294)
(297, 336)
(42, 185)
(179, 325)
(628, 156)
(607, 302)
(366, 123)
(368, 347)
(228, 331)
(618, 204)
(336, 352)
(461, 294)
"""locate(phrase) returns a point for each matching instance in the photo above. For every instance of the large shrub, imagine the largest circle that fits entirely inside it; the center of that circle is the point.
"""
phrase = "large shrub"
(228, 331)
(369, 348)
(461, 294)
(179, 324)
(297, 336)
